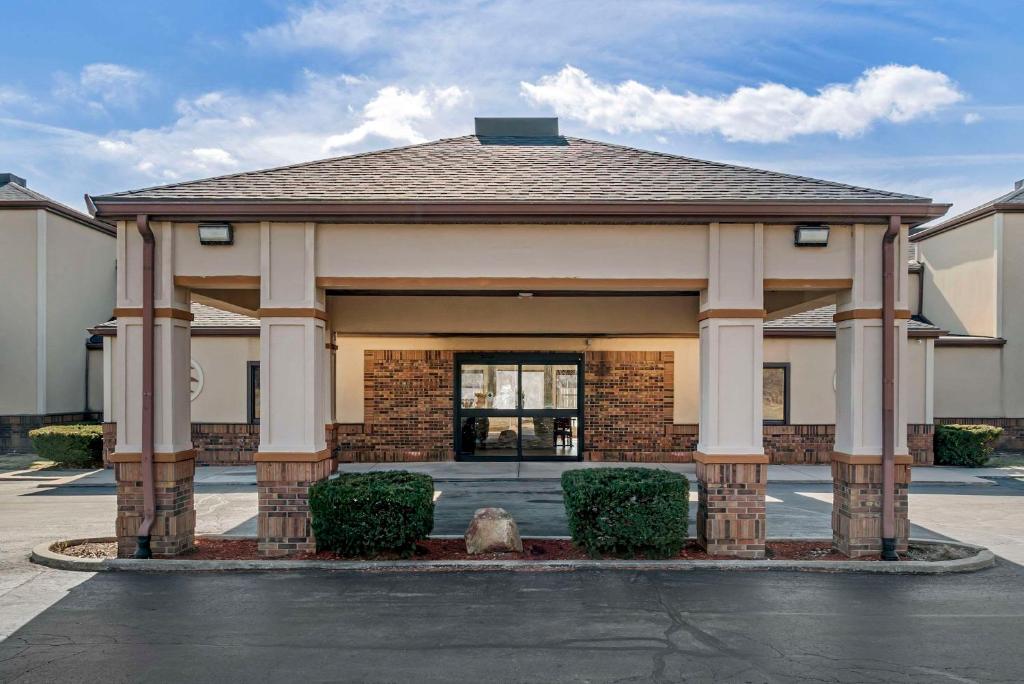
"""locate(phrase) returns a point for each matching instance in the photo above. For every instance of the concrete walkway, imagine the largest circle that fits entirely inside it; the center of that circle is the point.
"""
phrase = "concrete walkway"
(456, 471)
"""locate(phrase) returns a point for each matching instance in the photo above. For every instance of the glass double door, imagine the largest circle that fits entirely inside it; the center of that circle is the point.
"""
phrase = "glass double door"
(518, 406)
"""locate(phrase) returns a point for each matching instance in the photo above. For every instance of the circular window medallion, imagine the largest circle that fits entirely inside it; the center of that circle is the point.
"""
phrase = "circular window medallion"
(196, 379)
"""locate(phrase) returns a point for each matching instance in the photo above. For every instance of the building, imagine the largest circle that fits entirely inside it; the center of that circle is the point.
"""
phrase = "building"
(57, 276)
(799, 353)
(516, 294)
(971, 288)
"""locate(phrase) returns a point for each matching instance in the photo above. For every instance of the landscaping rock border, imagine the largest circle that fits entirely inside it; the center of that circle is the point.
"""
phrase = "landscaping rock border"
(44, 554)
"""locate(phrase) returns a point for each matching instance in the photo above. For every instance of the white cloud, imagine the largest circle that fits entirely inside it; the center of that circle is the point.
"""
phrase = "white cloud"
(393, 115)
(770, 112)
(972, 118)
(220, 132)
(103, 85)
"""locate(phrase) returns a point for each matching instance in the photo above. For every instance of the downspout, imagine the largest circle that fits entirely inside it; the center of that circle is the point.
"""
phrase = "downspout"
(143, 549)
(889, 390)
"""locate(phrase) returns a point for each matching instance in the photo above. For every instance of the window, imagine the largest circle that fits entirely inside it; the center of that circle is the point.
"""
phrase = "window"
(254, 392)
(776, 393)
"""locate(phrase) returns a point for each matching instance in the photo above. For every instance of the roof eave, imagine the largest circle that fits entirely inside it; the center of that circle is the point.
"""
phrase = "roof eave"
(913, 212)
(968, 217)
(59, 209)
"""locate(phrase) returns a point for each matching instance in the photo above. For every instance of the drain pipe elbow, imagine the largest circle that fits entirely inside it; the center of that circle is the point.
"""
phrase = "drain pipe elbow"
(143, 549)
(889, 390)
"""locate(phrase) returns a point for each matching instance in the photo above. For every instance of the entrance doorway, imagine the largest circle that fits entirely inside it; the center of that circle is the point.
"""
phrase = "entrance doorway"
(512, 407)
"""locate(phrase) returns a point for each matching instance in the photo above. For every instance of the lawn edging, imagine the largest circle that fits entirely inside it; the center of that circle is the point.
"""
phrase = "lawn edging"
(44, 554)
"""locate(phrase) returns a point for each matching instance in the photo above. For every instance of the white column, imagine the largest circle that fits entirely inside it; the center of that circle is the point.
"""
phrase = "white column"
(732, 469)
(859, 349)
(294, 389)
(731, 342)
(857, 459)
(293, 338)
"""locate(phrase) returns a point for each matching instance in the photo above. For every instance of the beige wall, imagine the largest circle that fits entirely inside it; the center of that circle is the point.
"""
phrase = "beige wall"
(224, 361)
(968, 382)
(96, 380)
(783, 259)
(509, 314)
(960, 278)
(496, 251)
(18, 311)
(1010, 307)
(79, 294)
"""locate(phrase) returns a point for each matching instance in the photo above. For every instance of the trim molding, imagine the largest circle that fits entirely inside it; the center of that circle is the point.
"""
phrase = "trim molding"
(968, 217)
(159, 312)
(867, 314)
(808, 283)
(954, 341)
(225, 282)
(523, 212)
(732, 313)
(728, 459)
(292, 312)
(292, 457)
(159, 457)
(513, 284)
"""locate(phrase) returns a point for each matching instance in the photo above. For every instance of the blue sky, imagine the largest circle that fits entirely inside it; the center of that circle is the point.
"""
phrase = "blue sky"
(921, 97)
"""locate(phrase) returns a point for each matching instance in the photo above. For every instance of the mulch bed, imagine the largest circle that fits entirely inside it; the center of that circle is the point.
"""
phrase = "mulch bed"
(533, 549)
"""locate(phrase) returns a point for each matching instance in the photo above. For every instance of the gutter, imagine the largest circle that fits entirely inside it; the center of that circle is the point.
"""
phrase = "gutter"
(143, 549)
(889, 390)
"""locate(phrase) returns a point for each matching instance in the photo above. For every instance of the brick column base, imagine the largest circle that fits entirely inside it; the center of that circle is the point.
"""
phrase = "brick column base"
(173, 530)
(283, 480)
(731, 508)
(857, 504)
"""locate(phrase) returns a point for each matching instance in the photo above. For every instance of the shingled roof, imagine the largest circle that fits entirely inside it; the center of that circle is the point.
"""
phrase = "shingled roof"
(15, 195)
(208, 320)
(512, 169)
(820, 320)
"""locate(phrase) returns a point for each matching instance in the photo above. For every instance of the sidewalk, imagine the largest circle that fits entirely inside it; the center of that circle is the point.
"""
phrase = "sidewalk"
(455, 471)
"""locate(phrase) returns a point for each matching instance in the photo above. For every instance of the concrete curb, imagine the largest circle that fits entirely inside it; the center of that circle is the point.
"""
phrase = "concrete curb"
(44, 554)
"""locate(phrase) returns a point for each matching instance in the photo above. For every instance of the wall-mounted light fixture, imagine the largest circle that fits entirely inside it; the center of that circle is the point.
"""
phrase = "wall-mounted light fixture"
(810, 236)
(216, 234)
(525, 295)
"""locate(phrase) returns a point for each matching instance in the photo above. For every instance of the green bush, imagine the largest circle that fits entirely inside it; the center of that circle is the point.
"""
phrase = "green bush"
(627, 511)
(964, 445)
(77, 446)
(367, 514)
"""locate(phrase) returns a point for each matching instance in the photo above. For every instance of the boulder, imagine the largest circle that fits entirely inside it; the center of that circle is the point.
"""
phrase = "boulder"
(492, 531)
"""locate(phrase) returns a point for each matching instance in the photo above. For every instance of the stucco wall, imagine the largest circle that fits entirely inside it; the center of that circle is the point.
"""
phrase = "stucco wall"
(579, 315)
(79, 293)
(18, 311)
(960, 278)
(968, 382)
(95, 391)
(224, 361)
(1011, 308)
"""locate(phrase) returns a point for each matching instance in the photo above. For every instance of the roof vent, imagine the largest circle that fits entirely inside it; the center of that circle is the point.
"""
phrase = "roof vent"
(1019, 184)
(525, 127)
(6, 178)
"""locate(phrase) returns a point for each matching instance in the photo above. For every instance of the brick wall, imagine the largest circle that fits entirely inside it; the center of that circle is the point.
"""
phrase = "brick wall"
(407, 409)
(628, 405)
(217, 444)
(1012, 438)
(921, 443)
(14, 429)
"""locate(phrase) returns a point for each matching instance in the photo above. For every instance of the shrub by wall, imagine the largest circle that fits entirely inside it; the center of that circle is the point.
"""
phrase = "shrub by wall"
(965, 445)
(368, 514)
(76, 446)
(627, 511)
